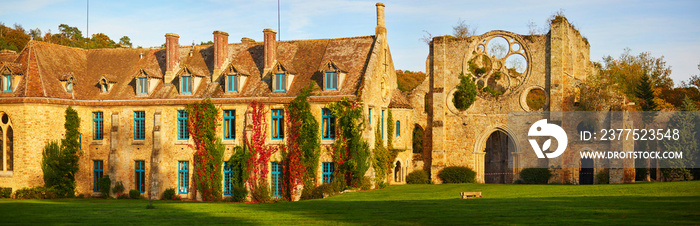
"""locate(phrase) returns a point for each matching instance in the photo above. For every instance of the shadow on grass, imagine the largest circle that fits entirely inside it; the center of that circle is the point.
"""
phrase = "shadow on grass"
(539, 210)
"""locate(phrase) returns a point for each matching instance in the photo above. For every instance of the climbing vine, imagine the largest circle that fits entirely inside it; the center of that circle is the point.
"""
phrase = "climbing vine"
(384, 156)
(260, 153)
(209, 151)
(350, 151)
(302, 152)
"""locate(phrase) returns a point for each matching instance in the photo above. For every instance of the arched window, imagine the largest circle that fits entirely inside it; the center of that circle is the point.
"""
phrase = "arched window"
(6, 143)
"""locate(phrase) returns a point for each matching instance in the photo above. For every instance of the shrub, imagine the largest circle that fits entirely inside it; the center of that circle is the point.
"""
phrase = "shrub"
(135, 194)
(321, 191)
(465, 94)
(118, 188)
(239, 193)
(535, 175)
(262, 193)
(603, 177)
(5, 192)
(122, 196)
(418, 177)
(169, 194)
(36, 193)
(105, 185)
(366, 183)
(456, 174)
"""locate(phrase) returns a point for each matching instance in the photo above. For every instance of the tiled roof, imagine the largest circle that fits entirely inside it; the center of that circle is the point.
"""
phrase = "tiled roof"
(46, 63)
(399, 100)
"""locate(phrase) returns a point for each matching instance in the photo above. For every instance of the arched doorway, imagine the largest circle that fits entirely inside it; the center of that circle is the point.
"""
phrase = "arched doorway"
(585, 174)
(397, 172)
(496, 162)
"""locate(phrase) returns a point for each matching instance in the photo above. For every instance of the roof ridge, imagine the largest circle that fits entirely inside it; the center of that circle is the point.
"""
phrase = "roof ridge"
(54, 44)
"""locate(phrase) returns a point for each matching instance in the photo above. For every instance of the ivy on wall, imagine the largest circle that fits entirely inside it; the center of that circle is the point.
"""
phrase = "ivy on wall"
(350, 151)
(301, 155)
(260, 153)
(209, 151)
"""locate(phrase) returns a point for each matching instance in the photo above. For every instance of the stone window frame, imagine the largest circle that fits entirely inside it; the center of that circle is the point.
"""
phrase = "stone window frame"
(6, 145)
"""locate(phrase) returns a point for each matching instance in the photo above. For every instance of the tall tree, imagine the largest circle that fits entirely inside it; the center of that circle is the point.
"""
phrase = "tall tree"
(125, 41)
(645, 93)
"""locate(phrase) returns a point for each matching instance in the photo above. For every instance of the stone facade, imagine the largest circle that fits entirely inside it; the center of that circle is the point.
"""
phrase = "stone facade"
(555, 64)
(160, 82)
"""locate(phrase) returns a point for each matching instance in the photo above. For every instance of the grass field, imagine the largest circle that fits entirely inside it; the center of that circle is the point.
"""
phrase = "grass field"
(641, 203)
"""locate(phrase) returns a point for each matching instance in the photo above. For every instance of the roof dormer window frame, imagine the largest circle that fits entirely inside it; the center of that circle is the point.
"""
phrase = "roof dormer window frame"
(281, 78)
(7, 83)
(333, 76)
(68, 81)
(232, 82)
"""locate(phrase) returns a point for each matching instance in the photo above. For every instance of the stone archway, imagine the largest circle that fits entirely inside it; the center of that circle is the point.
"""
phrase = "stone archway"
(497, 162)
(398, 173)
(585, 173)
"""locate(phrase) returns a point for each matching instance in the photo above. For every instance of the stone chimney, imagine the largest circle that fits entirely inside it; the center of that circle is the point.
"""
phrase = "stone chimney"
(171, 56)
(381, 29)
(220, 49)
(270, 47)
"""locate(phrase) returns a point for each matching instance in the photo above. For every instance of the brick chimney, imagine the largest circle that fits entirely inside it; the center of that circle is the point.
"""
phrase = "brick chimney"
(171, 48)
(220, 49)
(270, 47)
(380, 29)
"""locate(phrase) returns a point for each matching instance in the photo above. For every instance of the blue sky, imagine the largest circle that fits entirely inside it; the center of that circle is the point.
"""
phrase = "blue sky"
(664, 28)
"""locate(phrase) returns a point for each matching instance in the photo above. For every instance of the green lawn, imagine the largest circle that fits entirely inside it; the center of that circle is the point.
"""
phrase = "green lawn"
(641, 203)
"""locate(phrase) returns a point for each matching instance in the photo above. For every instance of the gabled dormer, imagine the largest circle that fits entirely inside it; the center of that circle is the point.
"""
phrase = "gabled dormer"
(106, 83)
(146, 82)
(282, 78)
(187, 81)
(333, 76)
(10, 77)
(233, 79)
(67, 81)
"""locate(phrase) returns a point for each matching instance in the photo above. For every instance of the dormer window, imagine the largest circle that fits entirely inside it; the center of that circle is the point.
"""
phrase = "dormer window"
(186, 84)
(68, 81)
(282, 78)
(331, 81)
(333, 76)
(106, 83)
(188, 81)
(231, 83)
(280, 82)
(69, 86)
(7, 83)
(142, 86)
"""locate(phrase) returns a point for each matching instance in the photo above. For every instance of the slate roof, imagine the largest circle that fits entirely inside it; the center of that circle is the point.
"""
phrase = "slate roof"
(43, 65)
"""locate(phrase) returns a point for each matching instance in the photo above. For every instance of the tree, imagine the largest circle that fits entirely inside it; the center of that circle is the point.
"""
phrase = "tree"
(60, 163)
(100, 40)
(624, 74)
(463, 30)
(125, 41)
(35, 34)
(645, 93)
(687, 123)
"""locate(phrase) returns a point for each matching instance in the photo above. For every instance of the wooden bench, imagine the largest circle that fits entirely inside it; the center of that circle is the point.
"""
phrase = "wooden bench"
(471, 195)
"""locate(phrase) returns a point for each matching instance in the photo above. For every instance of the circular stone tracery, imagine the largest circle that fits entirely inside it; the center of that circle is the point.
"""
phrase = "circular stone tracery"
(498, 64)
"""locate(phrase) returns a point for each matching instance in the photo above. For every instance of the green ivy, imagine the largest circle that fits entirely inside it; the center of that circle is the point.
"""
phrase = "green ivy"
(390, 131)
(303, 122)
(350, 151)
(465, 95)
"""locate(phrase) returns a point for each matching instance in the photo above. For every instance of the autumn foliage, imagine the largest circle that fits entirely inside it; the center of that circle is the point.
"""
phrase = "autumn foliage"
(260, 152)
(209, 151)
